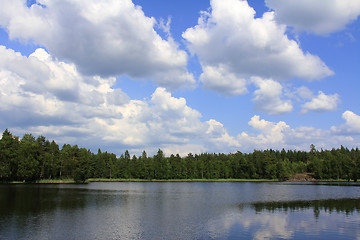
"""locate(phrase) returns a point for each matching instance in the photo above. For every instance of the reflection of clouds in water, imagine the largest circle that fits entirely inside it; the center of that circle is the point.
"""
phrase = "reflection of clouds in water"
(269, 225)
(346, 226)
(248, 223)
(315, 218)
(273, 225)
(174, 211)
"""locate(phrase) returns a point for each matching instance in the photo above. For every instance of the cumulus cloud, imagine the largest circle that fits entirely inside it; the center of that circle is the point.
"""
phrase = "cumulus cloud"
(233, 45)
(106, 38)
(271, 134)
(268, 97)
(222, 81)
(278, 135)
(351, 126)
(321, 103)
(40, 85)
(320, 16)
(39, 92)
(42, 95)
(219, 136)
(299, 94)
(304, 92)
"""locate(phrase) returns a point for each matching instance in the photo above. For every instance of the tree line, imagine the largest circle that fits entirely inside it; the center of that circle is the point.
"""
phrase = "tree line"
(31, 159)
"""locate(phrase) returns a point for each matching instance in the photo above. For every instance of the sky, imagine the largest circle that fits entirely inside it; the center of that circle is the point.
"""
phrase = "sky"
(183, 76)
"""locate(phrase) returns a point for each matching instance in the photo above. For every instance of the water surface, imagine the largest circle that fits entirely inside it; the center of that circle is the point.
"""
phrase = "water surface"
(180, 210)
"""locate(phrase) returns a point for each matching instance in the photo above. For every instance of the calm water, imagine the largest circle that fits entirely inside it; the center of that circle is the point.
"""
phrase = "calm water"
(180, 211)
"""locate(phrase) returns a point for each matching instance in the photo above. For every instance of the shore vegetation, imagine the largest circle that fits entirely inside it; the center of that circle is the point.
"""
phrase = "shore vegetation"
(36, 159)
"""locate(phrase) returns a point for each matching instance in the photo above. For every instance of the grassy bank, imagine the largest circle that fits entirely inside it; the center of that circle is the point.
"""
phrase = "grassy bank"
(42, 181)
(179, 180)
(56, 181)
(60, 181)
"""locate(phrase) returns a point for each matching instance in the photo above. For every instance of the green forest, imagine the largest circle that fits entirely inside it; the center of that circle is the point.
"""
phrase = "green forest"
(31, 159)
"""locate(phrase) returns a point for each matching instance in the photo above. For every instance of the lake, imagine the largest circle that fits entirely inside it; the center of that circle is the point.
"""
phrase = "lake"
(180, 210)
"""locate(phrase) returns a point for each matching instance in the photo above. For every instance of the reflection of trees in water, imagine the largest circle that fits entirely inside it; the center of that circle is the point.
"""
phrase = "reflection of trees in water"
(347, 206)
(30, 200)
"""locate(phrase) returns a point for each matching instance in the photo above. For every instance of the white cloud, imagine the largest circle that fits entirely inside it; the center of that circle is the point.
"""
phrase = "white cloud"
(299, 94)
(42, 95)
(320, 16)
(219, 136)
(41, 91)
(304, 92)
(268, 97)
(166, 122)
(233, 45)
(321, 103)
(261, 226)
(351, 126)
(183, 149)
(278, 135)
(42, 85)
(106, 38)
(271, 134)
(220, 80)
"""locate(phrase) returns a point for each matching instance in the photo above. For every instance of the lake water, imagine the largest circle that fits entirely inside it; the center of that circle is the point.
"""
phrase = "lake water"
(180, 210)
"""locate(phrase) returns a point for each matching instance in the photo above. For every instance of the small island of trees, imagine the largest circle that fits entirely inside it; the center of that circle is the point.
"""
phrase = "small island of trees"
(30, 159)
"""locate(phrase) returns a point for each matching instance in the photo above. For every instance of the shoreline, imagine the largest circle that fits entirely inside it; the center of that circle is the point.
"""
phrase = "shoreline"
(181, 180)
(71, 181)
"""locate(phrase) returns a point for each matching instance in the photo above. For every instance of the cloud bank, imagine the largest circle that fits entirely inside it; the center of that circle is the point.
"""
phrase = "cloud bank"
(233, 45)
(321, 103)
(319, 17)
(65, 90)
(106, 38)
(42, 95)
(268, 97)
(351, 125)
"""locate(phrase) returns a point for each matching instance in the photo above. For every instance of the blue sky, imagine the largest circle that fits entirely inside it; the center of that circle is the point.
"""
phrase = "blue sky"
(183, 76)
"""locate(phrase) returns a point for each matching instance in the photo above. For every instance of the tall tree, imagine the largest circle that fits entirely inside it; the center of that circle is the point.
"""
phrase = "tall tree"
(9, 150)
(82, 162)
(28, 164)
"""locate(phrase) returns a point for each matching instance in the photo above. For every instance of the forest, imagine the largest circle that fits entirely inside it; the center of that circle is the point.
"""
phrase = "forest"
(31, 159)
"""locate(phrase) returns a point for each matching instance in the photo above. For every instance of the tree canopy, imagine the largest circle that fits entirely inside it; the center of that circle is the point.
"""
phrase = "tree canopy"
(31, 159)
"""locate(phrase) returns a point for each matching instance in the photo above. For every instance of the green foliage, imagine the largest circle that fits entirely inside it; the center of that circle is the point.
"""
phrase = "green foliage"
(82, 159)
(28, 158)
(9, 147)
(35, 159)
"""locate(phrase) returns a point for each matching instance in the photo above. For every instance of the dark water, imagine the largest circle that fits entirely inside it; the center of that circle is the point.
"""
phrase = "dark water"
(189, 210)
